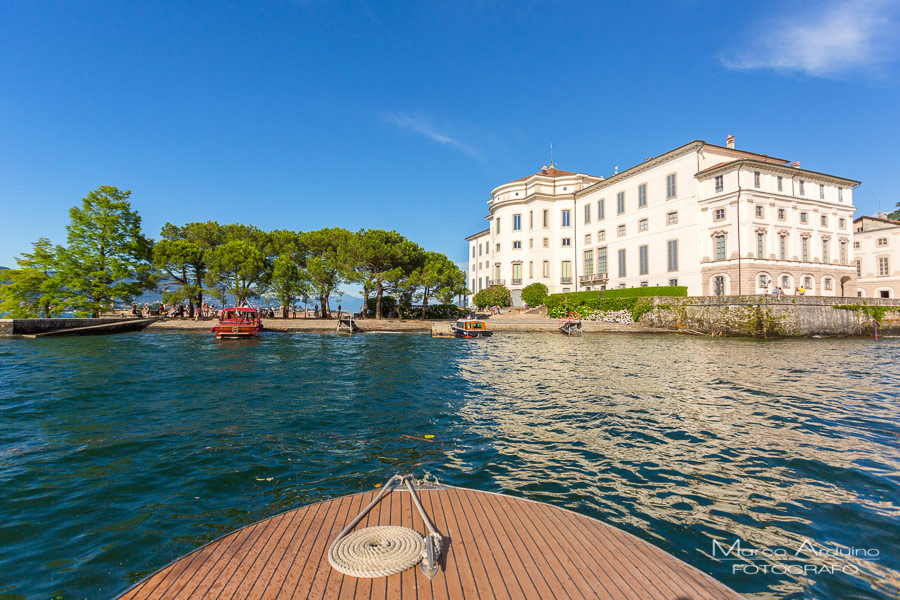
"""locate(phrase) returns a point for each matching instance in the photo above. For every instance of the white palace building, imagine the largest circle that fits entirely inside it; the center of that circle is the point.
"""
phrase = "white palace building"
(713, 218)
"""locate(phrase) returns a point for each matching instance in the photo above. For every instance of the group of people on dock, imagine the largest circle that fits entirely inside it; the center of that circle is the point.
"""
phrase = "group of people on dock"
(779, 291)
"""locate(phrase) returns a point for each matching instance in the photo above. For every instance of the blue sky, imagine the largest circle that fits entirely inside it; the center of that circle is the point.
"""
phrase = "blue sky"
(305, 114)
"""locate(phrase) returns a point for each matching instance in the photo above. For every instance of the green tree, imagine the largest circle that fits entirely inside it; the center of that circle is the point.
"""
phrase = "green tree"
(238, 268)
(384, 258)
(107, 257)
(437, 273)
(287, 283)
(327, 265)
(895, 214)
(534, 294)
(495, 295)
(33, 290)
(180, 258)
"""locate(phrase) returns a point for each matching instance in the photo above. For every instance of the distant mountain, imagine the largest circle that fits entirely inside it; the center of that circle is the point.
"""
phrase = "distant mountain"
(4, 268)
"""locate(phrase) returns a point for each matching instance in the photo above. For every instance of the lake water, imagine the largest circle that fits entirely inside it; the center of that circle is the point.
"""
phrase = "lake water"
(120, 453)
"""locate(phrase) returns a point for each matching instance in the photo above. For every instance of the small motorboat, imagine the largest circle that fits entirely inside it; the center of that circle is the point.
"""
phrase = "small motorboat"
(471, 328)
(237, 322)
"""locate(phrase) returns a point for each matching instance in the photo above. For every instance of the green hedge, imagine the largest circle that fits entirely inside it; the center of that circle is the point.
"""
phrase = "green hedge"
(495, 295)
(573, 299)
(534, 294)
(660, 290)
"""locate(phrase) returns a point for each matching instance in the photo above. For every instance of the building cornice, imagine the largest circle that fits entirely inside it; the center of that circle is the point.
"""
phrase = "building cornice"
(478, 235)
(532, 198)
(779, 169)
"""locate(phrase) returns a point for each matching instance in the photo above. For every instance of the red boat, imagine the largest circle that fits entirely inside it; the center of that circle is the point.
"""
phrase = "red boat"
(237, 322)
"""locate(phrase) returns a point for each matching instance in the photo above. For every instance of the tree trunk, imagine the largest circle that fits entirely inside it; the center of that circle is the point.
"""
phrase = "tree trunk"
(379, 294)
(424, 301)
(284, 310)
(365, 308)
(323, 305)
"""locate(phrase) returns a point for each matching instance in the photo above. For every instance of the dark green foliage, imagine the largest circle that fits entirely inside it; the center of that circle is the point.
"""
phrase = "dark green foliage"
(581, 303)
(572, 299)
(32, 289)
(495, 295)
(660, 290)
(434, 311)
(388, 304)
(534, 294)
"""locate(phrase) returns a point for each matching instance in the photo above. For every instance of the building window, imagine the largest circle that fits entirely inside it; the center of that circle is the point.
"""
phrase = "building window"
(719, 285)
(825, 243)
(621, 230)
(824, 220)
(620, 203)
(672, 217)
(756, 179)
(601, 209)
(782, 247)
(781, 214)
(566, 271)
(642, 225)
(882, 241)
(827, 282)
(718, 214)
(530, 220)
(840, 194)
(763, 280)
(759, 211)
(530, 269)
(497, 225)
(843, 253)
(807, 283)
(498, 247)
(760, 245)
(780, 183)
(720, 183)
(804, 217)
(601, 235)
(672, 256)
(673, 282)
(883, 265)
(642, 195)
(546, 242)
(856, 244)
(517, 274)
(804, 249)
(858, 268)
(531, 242)
(601, 261)
(566, 242)
(643, 260)
(567, 218)
(473, 251)
(588, 262)
(821, 192)
(622, 270)
(842, 223)
(785, 281)
(479, 249)
(587, 214)
(802, 187)
(546, 268)
(671, 186)
(587, 239)
(517, 245)
(720, 247)
(517, 222)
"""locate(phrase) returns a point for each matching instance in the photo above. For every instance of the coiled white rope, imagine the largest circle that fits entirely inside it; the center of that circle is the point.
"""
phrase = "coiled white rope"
(385, 549)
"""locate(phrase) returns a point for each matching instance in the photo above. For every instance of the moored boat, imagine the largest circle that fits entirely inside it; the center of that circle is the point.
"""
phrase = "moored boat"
(471, 328)
(237, 322)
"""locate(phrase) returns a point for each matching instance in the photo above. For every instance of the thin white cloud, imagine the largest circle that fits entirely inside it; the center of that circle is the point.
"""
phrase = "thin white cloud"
(827, 39)
(423, 126)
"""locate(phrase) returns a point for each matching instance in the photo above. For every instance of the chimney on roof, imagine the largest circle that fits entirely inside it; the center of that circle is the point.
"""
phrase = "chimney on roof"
(729, 141)
(881, 215)
(796, 164)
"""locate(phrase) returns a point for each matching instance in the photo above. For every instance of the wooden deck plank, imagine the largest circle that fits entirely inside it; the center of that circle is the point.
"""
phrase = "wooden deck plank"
(518, 582)
(495, 547)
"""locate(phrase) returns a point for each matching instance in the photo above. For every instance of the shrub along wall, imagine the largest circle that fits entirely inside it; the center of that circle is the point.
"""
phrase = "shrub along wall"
(643, 292)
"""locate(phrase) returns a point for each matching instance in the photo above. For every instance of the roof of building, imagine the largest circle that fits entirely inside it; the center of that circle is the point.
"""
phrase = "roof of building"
(550, 171)
(782, 168)
(478, 235)
(879, 219)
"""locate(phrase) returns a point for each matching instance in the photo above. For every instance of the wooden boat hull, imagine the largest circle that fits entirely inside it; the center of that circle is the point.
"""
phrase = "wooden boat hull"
(227, 331)
(470, 333)
(495, 546)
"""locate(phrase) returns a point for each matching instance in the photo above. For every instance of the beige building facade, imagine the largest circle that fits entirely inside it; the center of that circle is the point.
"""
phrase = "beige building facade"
(713, 218)
(876, 247)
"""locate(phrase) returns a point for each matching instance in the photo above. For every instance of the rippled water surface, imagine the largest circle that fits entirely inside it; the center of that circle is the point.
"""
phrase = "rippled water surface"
(121, 453)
